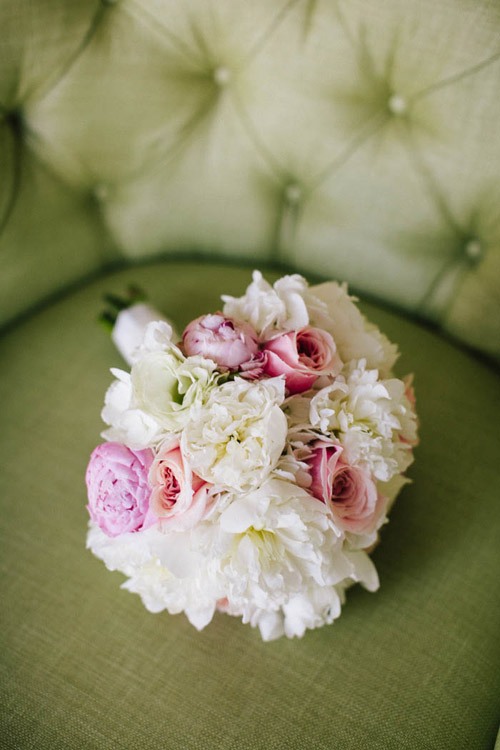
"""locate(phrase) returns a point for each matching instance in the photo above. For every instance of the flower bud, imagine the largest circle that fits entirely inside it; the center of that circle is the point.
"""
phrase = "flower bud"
(227, 342)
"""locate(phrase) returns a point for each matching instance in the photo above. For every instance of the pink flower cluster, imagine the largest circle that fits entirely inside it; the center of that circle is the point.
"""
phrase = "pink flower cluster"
(131, 490)
(300, 356)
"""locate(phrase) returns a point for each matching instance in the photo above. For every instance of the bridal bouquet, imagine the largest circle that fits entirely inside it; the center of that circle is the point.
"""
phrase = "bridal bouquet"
(249, 466)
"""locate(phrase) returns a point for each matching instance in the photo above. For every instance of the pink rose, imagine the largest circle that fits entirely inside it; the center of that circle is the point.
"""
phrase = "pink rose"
(301, 356)
(179, 498)
(118, 490)
(349, 491)
(228, 342)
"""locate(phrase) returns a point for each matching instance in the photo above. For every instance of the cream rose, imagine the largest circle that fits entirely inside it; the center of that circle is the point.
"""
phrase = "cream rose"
(165, 384)
(154, 400)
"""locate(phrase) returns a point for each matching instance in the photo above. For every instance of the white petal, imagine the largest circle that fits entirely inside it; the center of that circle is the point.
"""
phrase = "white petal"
(365, 571)
(271, 626)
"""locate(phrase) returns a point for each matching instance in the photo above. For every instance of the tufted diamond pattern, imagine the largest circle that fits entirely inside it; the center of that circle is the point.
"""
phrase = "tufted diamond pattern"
(355, 139)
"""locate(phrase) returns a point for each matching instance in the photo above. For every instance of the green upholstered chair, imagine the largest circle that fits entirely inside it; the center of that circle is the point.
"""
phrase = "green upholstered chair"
(179, 143)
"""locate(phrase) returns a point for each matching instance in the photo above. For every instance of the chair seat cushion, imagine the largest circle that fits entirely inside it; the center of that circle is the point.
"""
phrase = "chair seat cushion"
(83, 664)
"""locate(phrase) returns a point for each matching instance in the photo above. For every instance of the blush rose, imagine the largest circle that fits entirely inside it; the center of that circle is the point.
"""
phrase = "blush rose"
(348, 490)
(301, 356)
(179, 498)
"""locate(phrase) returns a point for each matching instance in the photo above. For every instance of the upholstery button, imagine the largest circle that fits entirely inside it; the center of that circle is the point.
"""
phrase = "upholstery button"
(473, 250)
(15, 119)
(293, 193)
(101, 191)
(222, 76)
(397, 105)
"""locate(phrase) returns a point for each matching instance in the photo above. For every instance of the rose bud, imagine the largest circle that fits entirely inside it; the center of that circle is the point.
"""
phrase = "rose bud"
(118, 490)
(348, 490)
(301, 356)
(226, 341)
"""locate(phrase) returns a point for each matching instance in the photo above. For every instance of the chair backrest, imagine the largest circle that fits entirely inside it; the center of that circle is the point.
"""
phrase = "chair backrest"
(358, 140)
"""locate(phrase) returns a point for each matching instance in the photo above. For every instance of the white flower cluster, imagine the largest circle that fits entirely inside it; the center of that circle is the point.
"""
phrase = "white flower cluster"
(289, 464)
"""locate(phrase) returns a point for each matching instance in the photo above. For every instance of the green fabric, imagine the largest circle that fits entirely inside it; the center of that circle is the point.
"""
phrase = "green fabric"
(357, 139)
(84, 665)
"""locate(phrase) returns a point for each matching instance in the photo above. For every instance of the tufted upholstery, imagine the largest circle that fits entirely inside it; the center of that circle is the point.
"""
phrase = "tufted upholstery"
(355, 139)
(83, 665)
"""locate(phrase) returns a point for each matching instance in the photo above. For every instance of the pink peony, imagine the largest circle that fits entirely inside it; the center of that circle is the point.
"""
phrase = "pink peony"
(228, 342)
(301, 356)
(255, 367)
(179, 498)
(349, 491)
(118, 490)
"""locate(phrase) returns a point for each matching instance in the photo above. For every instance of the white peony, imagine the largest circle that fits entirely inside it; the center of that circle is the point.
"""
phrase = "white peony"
(284, 560)
(305, 610)
(372, 419)
(274, 309)
(174, 571)
(125, 552)
(195, 595)
(235, 438)
(354, 336)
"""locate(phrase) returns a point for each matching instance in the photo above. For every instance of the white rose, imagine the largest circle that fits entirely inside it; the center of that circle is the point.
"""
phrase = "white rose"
(167, 384)
(128, 425)
(236, 437)
(156, 398)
